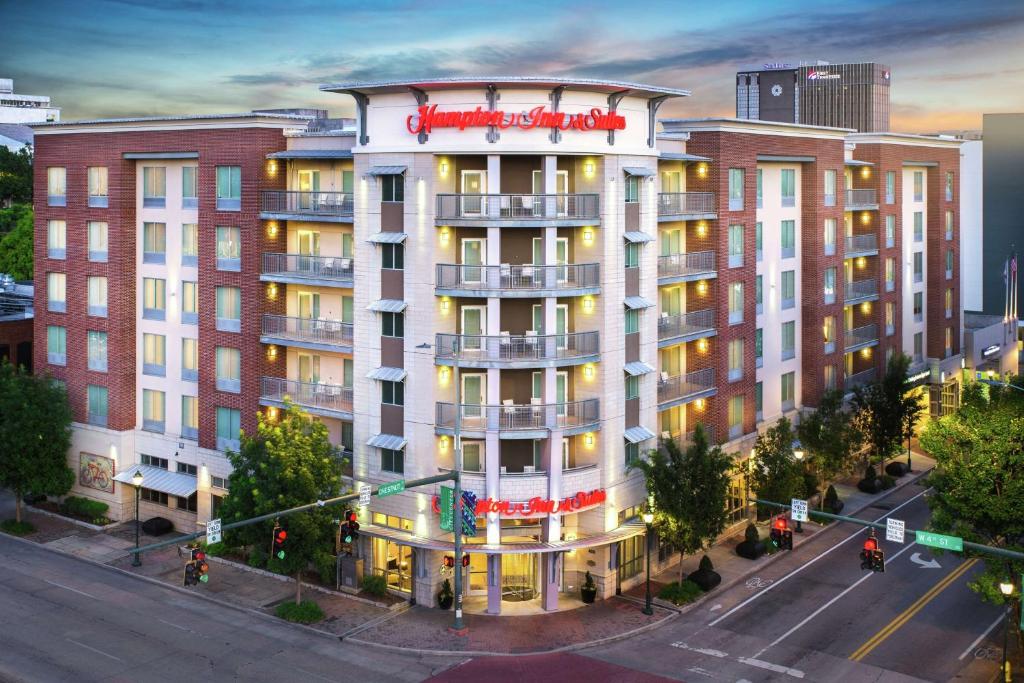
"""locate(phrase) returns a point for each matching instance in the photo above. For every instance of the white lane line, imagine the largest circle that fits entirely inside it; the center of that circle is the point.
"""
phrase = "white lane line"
(90, 647)
(980, 638)
(69, 588)
(761, 664)
(826, 605)
(812, 561)
(174, 625)
(702, 650)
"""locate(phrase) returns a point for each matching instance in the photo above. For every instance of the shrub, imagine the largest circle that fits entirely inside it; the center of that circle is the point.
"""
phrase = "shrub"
(258, 558)
(17, 528)
(680, 593)
(887, 481)
(831, 497)
(706, 564)
(751, 534)
(84, 508)
(810, 484)
(214, 549)
(870, 474)
(706, 577)
(326, 567)
(306, 612)
(375, 584)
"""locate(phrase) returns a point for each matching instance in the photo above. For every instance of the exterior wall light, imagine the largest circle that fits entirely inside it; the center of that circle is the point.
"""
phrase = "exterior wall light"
(865, 307)
(588, 371)
(272, 413)
(866, 353)
(588, 236)
(272, 291)
(865, 217)
(445, 373)
(444, 169)
(272, 168)
(445, 235)
(861, 262)
(699, 405)
(588, 440)
(272, 352)
(445, 304)
(588, 304)
(443, 445)
(702, 346)
(702, 228)
(702, 287)
(272, 229)
(702, 170)
(865, 172)
(588, 168)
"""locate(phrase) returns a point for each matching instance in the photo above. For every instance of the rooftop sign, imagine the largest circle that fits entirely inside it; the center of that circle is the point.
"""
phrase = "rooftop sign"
(533, 507)
(427, 118)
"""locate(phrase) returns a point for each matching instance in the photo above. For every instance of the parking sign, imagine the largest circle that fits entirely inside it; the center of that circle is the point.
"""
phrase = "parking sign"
(894, 529)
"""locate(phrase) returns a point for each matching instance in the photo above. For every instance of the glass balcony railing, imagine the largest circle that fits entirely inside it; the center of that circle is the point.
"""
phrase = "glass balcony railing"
(861, 243)
(861, 289)
(859, 336)
(864, 197)
(686, 324)
(859, 379)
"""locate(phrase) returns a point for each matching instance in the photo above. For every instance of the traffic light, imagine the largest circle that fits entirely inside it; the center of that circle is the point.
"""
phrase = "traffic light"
(869, 553)
(465, 560)
(449, 561)
(878, 561)
(189, 574)
(781, 535)
(280, 535)
(349, 527)
(201, 567)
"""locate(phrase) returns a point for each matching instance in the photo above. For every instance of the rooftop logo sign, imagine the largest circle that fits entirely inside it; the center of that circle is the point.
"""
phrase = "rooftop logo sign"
(822, 76)
(427, 118)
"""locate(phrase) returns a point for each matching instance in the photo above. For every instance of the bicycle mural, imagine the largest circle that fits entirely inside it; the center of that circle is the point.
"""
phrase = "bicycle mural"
(96, 472)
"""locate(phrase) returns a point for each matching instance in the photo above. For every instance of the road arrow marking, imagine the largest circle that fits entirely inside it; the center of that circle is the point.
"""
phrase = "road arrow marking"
(716, 606)
(930, 564)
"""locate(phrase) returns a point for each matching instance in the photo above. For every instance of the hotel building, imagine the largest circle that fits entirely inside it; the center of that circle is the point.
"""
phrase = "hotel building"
(593, 278)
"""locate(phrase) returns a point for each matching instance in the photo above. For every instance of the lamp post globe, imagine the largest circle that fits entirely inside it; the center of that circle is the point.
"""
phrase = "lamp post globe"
(137, 480)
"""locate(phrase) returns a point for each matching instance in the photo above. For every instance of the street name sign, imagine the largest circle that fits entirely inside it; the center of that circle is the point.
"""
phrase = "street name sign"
(798, 510)
(895, 529)
(447, 505)
(364, 495)
(213, 531)
(939, 541)
(391, 488)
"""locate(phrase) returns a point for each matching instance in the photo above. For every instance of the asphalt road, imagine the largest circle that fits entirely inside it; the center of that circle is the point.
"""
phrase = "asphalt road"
(64, 619)
(815, 615)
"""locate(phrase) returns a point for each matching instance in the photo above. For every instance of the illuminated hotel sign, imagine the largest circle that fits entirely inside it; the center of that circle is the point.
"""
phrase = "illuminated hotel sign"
(822, 76)
(990, 350)
(535, 506)
(427, 118)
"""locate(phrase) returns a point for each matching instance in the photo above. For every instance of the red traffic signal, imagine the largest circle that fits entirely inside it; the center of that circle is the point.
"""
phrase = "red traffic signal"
(281, 535)
(780, 523)
(465, 560)
(449, 561)
(350, 516)
(871, 544)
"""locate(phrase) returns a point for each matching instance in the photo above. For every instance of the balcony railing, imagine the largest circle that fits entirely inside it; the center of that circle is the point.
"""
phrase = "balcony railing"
(861, 289)
(517, 206)
(307, 203)
(469, 348)
(519, 278)
(684, 386)
(512, 418)
(315, 395)
(858, 336)
(859, 379)
(685, 324)
(685, 439)
(693, 263)
(312, 267)
(310, 330)
(861, 243)
(679, 203)
(865, 197)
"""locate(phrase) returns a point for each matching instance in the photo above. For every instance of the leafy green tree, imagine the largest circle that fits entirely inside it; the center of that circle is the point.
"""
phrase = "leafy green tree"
(15, 176)
(16, 244)
(689, 489)
(829, 436)
(775, 474)
(288, 462)
(882, 410)
(979, 479)
(35, 435)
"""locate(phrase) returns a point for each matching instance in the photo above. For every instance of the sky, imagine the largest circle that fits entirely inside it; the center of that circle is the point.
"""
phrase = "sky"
(951, 60)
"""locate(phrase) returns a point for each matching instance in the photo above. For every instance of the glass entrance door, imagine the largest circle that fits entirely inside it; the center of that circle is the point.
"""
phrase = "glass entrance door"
(473, 392)
(474, 322)
(518, 577)
(309, 185)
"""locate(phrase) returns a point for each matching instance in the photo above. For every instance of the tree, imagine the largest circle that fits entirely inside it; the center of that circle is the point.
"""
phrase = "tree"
(16, 244)
(979, 479)
(288, 462)
(35, 435)
(15, 176)
(882, 410)
(829, 436)
(689, 489)
(774, 474)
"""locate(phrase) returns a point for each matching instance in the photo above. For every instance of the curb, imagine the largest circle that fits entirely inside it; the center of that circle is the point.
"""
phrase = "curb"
(72, 520)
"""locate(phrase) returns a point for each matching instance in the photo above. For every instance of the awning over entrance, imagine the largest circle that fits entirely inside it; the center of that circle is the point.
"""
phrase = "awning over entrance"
(638, 434)
(639, 171)
(385, 170)
(158, 479)
(636, 236)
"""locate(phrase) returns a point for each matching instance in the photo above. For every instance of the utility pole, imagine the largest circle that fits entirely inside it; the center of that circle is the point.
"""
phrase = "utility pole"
(457, 512)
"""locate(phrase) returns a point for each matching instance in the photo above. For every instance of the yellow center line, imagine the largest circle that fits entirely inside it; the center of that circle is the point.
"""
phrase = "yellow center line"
(906, 615)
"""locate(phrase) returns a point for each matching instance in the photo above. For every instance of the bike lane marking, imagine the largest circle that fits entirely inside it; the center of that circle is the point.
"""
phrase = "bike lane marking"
(980, 638)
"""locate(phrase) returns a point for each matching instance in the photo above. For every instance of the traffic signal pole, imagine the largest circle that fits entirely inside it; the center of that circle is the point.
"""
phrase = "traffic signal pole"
(457, 625)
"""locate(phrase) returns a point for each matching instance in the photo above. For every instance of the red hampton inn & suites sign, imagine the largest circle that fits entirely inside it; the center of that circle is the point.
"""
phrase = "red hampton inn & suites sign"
(427, 118)
(535, 506)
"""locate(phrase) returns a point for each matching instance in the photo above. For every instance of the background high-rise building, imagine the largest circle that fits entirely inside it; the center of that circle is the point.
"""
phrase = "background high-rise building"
(1003, 155)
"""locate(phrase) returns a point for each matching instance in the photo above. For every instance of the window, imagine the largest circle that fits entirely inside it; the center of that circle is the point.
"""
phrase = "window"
(890, 318)
(788, 390)
(632, 387)
(918, 347)
(788, 239)
(228, 428)
(56, 239)
(190, 244)
(185, 468)
(918, 266)
(949, 225)
(735, 360)
(759, 347)
(631, 557)
(154, 354)
(829, 330)
(154, 187)
(788, 289)
(392, 188)
(632, 321)
(154, 298)
(154, 242)
(890, 274)
(735, 303)
(632, 189)
(759, 293)
(97, 287)
(830, 236)
(190, 504)
(229, 188)
(97, 186)
(735, 417)
(890, 187)
(918, 226)
(890, 232)
(56, 345)
(392, 393)
(151, 496)
(96, 410)
(788, 340)
(830, 187)
(735, 246)
(229, 370)
(190, 187)
(949, 342)
(918, 306)
(758, 400)
(219, 482)
(949, 186)
(788, 187)
(229, 248)
(392, 256)
(918, 186)
(97, 241)
(56, 186)
(229, 309)
(949, 264)
(189, 417)
(97, 351)
(189, 303)
(346, 245)
(632, 255)
(760, 188)
(830, 285)
(735, 189)
(189, 359)
(632, 453)
(392, 325)
(152, 461)
(392, 461)
(56, 292)
(830, 377)
(153, 410)
(759, 241)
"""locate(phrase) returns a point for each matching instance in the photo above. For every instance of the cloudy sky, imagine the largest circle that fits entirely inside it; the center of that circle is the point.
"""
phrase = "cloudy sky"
(951, 60)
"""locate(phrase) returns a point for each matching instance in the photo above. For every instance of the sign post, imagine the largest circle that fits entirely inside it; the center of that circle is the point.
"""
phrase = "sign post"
(895, 529)
(939, 541)
(213, 532)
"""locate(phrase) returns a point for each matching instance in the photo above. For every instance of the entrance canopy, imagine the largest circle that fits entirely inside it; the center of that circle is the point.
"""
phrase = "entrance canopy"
(159, 479)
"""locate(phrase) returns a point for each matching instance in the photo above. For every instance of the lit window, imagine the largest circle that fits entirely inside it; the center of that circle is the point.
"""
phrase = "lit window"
(56, 239)
(97, 351)
(153, 410)
(154, 242)
(154, 298)
(154, 354)
(56, 186)
(154, 186)
(97, 186)
(97, 241)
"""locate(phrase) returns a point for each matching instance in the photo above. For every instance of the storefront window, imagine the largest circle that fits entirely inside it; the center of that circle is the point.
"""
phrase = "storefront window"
(631, 557)
(394, 563)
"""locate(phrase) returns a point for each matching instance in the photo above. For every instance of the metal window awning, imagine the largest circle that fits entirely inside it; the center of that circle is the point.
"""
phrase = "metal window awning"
(387, 237)
(159, 479)
(160, 155)
(921, 163)
(637, 302)
(636, 236)
(389, 441)
(312, 154)
(386, 374)
(385, 170)
(682, 156)
(638, 434)
(639, 171)
(854, 162)
(637, 368)
(387, 306)
(786, 158)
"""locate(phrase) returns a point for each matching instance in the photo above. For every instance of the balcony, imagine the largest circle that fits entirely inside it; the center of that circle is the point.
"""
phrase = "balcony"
(861, 290)
(517, 210)
(859, 379)
(861, 245)
(860, 337)
(328, 207)
(520, 281)
(685, 267)
(516, 351)
(684, 206)
(323, 271)
(326, 400)
(307, 333)
(684, 327)
(680, 389)
(861, 200)
(522, 486)
(517, 421)
(685, 439)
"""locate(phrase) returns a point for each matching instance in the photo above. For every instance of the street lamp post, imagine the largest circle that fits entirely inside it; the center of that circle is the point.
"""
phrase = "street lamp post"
(137, 483)
(1006, 588)
(798, 453)
(648, 520)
